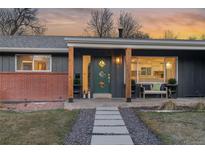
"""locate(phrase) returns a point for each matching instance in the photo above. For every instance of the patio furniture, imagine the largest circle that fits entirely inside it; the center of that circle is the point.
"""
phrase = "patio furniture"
(153, 89)
(172, 90)
(133, 88)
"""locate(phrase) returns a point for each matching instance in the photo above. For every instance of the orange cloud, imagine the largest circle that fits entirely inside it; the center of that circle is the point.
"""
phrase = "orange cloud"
(183, 22)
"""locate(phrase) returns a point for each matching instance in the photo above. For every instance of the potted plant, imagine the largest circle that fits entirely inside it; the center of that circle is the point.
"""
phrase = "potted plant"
(172, 81)
(172, 87)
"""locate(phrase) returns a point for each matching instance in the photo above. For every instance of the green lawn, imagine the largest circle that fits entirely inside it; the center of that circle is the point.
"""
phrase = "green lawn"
(40, 127)
(176, 128)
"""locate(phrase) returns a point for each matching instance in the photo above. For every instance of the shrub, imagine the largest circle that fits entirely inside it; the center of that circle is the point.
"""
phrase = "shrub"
(168, 106)
(200, 106)
(172, 81)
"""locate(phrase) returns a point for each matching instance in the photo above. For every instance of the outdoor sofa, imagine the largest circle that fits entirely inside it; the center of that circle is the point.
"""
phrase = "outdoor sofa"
(153, 89)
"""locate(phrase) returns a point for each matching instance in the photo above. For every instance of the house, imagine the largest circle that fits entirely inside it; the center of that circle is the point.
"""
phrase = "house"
(58, 68)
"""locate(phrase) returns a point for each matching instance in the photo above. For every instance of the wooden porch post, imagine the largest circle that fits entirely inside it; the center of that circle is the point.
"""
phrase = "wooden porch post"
(70, 73)
(128, 55)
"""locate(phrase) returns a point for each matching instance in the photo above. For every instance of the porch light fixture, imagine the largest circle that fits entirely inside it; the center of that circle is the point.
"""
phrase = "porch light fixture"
(168, 65)
(118, 60)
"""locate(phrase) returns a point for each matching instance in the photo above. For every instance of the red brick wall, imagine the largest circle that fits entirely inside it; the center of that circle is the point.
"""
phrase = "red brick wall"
(33, 86)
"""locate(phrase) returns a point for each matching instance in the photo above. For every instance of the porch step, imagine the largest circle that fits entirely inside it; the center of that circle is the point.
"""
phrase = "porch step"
(102, 95)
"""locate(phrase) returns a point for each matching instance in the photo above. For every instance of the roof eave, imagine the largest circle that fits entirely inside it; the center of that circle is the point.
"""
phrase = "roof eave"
(32, 50)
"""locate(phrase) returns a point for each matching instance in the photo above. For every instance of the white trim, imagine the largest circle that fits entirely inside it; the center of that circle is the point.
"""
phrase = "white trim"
(32, 50)
(121, 46)
(40, 71)
(130, 41)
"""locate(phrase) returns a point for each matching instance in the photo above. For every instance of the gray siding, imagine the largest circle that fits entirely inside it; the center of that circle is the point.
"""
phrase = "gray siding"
(117, 77)
(191, 76)
(60, 63)
(7, 62)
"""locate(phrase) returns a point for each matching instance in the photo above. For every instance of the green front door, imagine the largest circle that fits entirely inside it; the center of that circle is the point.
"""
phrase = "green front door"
(102, 75)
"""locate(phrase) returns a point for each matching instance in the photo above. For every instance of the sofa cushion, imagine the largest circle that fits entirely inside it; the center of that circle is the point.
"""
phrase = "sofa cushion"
(162, 87)
(156, 87)
(147, 86)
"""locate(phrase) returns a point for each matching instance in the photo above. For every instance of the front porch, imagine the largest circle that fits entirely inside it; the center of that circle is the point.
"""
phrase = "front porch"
(138, 103)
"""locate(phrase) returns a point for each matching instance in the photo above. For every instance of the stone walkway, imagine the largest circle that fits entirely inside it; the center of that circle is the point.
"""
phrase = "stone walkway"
(109, 128)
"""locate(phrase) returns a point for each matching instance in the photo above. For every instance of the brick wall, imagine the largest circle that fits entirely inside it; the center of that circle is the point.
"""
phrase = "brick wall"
(33, 86)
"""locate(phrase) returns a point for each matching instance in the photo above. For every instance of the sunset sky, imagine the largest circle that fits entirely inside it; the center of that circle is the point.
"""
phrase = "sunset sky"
(183, 22)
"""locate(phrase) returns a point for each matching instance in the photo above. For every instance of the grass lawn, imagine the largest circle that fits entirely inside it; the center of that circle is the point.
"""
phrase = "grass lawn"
(40, 127)
(176, 128)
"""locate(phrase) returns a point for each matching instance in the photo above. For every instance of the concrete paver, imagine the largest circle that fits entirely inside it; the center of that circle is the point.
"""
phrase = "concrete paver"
(111, 140)
(109, 123)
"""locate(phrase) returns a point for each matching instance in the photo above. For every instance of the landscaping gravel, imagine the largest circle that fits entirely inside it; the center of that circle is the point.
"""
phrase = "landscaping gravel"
(139, 133)
(82, 130)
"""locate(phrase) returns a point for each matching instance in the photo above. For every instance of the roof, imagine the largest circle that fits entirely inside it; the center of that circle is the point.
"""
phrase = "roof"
(33, 41)
(60, 43)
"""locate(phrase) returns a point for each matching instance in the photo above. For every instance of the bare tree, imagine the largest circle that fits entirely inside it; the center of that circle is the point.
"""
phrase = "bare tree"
(131, 27)
(168, 34)
(101, 22)
(20, 21)
(202, 37)
(192, 37)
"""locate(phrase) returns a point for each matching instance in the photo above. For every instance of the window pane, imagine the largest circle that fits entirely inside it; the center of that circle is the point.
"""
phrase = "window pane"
(170, 68)
(134, 68)
(151, 69)
(41, 62)
(86, 73)
(24, 62)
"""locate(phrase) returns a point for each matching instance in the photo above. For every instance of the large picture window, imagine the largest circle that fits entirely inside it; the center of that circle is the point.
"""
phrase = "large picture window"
(36, 63)
(153, 69)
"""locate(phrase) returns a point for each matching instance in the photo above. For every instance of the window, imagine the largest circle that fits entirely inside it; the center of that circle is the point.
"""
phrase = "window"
(153, 69)
(36, 63)
(86, 73)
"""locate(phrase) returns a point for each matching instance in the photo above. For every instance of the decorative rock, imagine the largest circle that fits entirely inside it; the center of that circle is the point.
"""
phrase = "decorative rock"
(82, 129)
(139, 133)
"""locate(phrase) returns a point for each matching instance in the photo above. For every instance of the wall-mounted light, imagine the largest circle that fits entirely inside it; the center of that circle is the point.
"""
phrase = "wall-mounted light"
(168, 65)
(118, 60)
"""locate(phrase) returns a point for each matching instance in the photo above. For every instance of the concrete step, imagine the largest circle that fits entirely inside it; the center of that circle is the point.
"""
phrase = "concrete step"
(106, 109)
(109, 123)
(110, 130)
(110, 117)
(107, 112)
(111, 140)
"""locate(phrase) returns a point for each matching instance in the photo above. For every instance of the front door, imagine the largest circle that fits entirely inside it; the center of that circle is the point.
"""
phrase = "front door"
(102, 74)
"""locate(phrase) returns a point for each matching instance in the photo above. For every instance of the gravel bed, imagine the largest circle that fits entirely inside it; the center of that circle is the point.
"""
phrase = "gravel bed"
(82, 130)
(139, 133)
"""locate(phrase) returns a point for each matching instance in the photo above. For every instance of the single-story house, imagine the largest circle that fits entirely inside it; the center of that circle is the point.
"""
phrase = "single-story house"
(54, 68)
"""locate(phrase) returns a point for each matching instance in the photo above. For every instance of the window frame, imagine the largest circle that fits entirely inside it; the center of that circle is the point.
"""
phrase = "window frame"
(33, 55)
(176, 69)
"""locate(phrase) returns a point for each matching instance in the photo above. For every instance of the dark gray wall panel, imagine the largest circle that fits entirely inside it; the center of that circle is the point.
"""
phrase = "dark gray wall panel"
(7, 62)
(1, 66)
(60, 63)
(117, 77)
